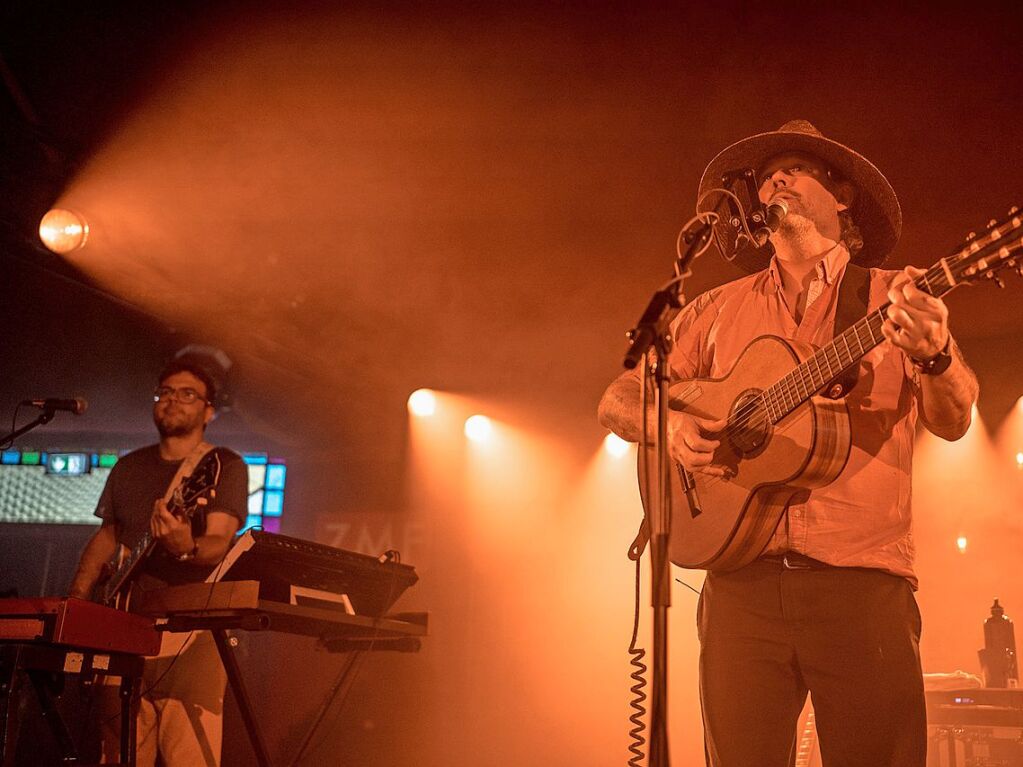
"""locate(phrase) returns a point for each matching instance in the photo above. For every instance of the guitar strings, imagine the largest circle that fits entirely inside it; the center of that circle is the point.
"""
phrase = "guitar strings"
(758, 407)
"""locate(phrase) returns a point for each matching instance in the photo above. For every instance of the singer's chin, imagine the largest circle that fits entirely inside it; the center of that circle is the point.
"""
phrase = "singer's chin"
(795, 226)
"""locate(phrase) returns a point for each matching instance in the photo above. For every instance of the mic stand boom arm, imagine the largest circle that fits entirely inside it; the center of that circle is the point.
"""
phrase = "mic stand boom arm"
(652, 332)
(45, 417)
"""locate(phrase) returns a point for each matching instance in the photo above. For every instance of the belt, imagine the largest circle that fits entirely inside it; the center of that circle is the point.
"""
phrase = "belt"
(793, 560)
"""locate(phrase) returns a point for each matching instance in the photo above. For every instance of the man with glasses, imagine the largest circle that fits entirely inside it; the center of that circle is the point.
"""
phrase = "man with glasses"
(828, 605)
(181, 711)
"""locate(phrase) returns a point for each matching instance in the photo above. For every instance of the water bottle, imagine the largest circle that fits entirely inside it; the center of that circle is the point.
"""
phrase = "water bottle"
(998, 658)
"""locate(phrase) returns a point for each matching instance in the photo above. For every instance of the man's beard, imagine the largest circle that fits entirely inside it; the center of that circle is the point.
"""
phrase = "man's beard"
(174, 428)
(796, 226)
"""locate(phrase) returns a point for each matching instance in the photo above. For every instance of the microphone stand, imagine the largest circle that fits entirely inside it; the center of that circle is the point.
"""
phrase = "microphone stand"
(652, 332)
(45, 417)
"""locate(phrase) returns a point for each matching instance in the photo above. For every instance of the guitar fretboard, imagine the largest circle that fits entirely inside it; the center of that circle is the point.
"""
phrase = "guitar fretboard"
(829, 363)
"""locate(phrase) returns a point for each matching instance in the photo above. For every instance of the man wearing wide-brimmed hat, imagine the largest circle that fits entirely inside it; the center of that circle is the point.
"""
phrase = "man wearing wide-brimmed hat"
(828, 605)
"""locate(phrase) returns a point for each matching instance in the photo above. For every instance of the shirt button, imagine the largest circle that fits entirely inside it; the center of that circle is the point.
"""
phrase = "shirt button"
(797, 513)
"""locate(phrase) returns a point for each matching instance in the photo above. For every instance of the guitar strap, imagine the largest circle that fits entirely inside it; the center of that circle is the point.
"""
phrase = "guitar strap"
(187, 467)
(853, 297)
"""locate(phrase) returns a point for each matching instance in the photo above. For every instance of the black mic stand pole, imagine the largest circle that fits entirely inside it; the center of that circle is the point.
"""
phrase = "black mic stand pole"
(45, 417)
(652, 331)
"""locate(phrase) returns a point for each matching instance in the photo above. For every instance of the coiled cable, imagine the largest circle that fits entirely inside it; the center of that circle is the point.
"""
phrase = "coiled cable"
(639, 696)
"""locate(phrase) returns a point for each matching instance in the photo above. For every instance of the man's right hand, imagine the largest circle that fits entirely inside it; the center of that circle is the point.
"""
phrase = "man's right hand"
(692, 442)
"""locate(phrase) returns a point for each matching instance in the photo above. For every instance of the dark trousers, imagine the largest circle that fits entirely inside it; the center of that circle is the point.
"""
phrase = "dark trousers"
(850, 637)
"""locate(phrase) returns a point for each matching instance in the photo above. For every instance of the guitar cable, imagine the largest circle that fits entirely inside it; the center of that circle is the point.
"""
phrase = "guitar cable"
(181, 649)
(353, 668)
(638, 676)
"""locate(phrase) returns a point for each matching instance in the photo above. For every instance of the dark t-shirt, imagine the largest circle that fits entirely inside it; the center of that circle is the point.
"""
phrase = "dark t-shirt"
(140, 478)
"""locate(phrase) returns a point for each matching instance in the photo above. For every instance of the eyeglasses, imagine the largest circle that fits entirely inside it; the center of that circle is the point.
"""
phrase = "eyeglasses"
(186, 395)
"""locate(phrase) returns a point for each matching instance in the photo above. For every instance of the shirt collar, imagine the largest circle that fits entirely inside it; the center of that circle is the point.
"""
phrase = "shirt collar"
(828, 268)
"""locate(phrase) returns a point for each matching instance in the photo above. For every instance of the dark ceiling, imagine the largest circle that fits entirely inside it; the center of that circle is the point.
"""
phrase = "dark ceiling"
(355, 203)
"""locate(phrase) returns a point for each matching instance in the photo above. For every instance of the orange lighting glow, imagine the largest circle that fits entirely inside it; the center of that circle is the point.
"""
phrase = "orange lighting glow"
(478, 428)
(422, 402)
(63, 231)
(1019, 460)
(615, 445)
(961, 543)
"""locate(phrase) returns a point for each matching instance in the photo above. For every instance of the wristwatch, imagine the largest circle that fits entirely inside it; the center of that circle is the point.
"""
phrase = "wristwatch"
(188, 554)
(937, 364)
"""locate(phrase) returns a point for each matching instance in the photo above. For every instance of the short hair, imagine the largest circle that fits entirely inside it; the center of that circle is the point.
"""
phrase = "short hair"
(196, 368)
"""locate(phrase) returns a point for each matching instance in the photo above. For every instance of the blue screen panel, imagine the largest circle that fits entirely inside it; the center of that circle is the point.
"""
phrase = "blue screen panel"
(273, 503)
(275, 476)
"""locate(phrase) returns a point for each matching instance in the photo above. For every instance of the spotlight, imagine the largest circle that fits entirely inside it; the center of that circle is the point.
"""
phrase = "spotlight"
(961, 544)
(478, 428)
(615, 445)
(422, 402)
(1019, 460)
(63, 231)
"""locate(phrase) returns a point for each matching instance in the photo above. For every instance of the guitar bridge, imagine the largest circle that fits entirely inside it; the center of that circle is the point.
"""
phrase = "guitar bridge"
(689, 486)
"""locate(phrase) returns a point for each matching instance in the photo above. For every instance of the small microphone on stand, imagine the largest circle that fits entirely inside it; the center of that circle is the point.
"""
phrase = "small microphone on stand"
(76, 405)
(777, 209)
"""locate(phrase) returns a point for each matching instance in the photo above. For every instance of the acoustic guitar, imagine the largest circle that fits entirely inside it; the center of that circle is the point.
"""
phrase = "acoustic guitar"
(783, 435)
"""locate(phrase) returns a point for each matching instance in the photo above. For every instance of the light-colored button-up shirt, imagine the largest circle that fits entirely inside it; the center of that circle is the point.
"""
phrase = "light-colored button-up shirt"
(862, 519)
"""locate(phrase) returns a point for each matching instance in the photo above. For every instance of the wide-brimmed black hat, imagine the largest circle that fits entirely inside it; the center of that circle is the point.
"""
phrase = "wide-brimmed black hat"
(875, 209)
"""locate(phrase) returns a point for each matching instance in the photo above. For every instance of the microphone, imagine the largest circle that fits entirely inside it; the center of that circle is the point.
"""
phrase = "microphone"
(777, 209)
(77, 405)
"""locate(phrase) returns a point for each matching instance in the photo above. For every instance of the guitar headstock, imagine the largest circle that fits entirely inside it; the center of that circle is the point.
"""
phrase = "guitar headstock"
(984, 256)
(198, 488)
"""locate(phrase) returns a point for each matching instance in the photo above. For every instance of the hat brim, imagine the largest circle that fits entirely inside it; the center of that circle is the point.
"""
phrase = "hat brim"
(875, 209)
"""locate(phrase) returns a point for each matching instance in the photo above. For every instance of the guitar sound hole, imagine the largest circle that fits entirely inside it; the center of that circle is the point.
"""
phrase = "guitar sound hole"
(748, 423)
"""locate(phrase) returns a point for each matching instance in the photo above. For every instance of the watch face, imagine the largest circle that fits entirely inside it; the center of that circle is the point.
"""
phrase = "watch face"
(935, 365)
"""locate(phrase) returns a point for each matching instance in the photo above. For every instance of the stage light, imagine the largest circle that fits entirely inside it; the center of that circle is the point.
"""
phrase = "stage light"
(1019, 460)
(63, 231)
(478, 428)
(422, 402)
(961, 544)
(615, 445)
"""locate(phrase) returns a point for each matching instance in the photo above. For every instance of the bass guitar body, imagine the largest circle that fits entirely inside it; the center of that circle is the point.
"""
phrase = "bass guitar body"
(725, 523)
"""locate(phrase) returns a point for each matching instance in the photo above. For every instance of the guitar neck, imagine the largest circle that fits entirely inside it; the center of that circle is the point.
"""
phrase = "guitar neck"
(831, 362)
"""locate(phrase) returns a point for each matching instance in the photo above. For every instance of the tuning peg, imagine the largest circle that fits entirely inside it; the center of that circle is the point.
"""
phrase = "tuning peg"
(992, 222)
(1013, 210)
(971, 236)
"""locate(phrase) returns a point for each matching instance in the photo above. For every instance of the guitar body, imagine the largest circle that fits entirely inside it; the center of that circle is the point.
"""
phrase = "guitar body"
(734, 518)
(783, 440)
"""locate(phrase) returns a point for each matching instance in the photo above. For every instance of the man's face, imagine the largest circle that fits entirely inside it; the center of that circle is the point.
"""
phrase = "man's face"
(802, 181)
(175, 417)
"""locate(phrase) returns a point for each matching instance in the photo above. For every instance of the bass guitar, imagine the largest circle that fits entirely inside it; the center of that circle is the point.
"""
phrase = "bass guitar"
(783, 436)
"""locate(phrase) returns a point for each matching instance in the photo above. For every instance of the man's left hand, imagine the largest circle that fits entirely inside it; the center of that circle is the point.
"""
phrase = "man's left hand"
(917, 322)
(174, 533)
